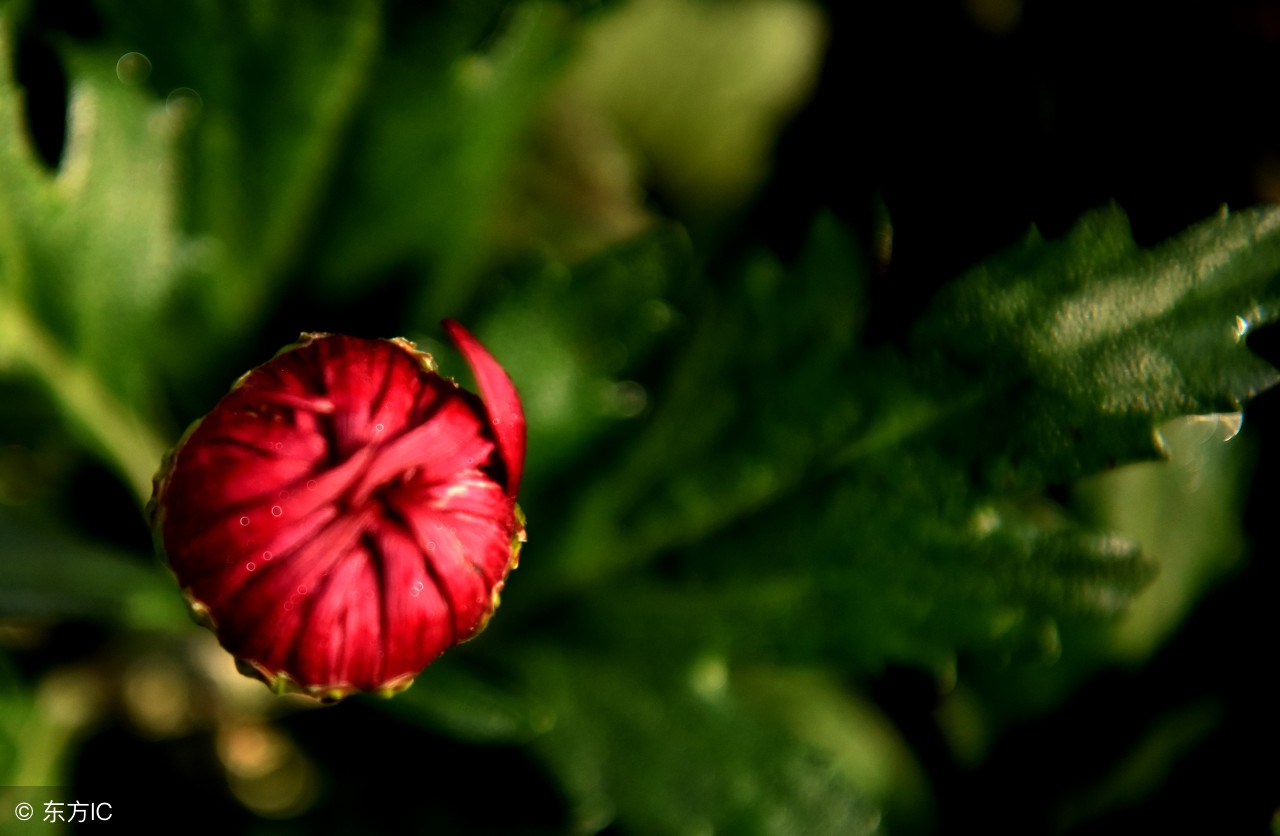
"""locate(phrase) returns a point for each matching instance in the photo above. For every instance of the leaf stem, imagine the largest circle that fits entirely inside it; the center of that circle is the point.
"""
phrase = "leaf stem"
(128, 444)
(913, 419)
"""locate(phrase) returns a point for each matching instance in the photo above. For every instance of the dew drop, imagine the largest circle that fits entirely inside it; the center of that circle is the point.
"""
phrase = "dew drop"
(288, 605)
(1242, 328)
(439, 526)
(284, 494)
(133, 68)
(497, 420)
(244, 520)
(311, 484)
(184, 103)
(250, 566)
(267, 555)
(276, 510)
(379, 428)
(302, 590)
(431, 545)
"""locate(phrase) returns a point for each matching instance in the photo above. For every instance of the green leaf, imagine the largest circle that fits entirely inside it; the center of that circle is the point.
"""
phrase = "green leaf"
(266, 91)
(813, 502)
(88, 252)
(1081, 347)
(449, 699)
(1185, 513)
(1167, 740)
(571, 339)
(433, 144)
(701, 89)
(15, 704)
(679, 750)
(86, 256)
(758, 397)
(825, 712)
(898, 564)
(103, 293)
(49, 576)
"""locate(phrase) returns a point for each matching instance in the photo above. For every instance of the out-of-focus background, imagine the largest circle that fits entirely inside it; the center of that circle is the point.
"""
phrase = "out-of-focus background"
(700, 235)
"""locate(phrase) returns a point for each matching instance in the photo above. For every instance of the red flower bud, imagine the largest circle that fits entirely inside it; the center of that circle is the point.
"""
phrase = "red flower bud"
(345, 514)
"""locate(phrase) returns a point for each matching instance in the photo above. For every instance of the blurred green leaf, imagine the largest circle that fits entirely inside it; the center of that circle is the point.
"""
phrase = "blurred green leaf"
(827, 714)
(1167, 739)
(447, 107)
(265, 92)
(677, 750)
(50, 576)
(895, 565)
(14, 706)
(1185, 515)
(88, 251)
(451, 700)
(756, 399)
(39, 729)
(570, 339)
(86, 256)
(700, 89)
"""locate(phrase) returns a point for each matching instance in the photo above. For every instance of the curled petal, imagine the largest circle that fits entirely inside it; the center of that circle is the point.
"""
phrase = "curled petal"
(506, 415)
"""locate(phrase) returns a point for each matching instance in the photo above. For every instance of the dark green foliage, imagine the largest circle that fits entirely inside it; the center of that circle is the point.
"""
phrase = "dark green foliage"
(739, 512)
(1091, 343)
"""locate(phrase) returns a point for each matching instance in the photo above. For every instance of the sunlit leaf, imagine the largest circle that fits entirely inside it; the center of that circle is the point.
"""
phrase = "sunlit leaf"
(1082, 346)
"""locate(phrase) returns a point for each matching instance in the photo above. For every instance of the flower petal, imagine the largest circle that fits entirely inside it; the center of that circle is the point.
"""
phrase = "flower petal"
(505, 412)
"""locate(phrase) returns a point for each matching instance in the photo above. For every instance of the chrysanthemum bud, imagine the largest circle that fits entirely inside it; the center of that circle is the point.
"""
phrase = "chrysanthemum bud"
(345, 514)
